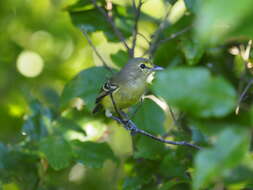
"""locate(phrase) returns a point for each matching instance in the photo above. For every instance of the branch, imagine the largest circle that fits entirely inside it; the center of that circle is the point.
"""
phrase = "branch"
(135, 30)
(245, 54)
(129, 125)
(95, 50)
(242, 96)
(173, 36)
(111, 22)
(166, 141)
(144, 37)
(157, 34)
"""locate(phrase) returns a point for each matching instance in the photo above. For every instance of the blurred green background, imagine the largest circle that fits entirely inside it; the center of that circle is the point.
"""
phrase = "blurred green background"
(50, 75)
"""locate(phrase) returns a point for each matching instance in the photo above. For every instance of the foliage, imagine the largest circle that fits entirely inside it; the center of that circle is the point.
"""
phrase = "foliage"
(50, 76)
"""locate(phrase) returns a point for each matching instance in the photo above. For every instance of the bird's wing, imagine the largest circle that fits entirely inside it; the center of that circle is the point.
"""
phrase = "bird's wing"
(107, 88)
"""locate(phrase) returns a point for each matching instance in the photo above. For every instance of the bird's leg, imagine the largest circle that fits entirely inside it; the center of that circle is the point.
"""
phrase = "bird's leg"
(123, 118)
(128, 124)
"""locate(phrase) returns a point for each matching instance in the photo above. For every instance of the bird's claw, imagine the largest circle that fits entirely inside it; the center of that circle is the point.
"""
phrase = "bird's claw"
(129, 125)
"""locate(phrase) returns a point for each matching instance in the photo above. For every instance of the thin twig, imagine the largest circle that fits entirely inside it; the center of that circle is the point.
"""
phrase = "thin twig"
(135, 30)
(144, 37)
(115, 107)
(175, 35)
(96, 51)
(157, 34)
(111, 22)
(167, 141)
(129, 124)
(242, 96)
(245, 54)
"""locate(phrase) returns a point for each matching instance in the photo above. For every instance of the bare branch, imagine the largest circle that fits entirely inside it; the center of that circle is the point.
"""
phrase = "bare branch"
(135, 30)
(245, 54)
(144, 37)
(129, 125)
(95, 50)
(167, 141)
(173, 36)
(111, 22)
(157, 34)
(242, 96)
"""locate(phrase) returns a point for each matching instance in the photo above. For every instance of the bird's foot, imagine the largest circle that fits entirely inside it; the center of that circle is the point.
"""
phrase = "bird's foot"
(129, 125)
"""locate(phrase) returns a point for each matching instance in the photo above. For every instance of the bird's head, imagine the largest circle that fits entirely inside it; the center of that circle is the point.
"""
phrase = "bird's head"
(142, 66)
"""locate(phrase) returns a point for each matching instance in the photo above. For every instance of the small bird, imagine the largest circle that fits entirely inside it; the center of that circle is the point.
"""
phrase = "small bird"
(127, 86)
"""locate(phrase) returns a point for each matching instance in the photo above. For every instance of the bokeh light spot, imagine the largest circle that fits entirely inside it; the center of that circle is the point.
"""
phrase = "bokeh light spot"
(30, 64)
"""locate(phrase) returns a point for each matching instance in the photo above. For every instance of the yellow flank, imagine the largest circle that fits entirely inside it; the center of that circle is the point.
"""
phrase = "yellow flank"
(126, 95)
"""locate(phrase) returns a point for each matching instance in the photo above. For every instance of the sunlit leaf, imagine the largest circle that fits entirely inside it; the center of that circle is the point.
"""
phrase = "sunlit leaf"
(150, 117)
(85, 85)
(194, 90)
(93, 20)
(217, 18)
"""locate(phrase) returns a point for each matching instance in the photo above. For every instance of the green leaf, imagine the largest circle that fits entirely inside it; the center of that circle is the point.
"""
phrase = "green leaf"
(133, 183)
(90, 20)
(193, 90)
(93, 20)
(150, 117)
(120, 58)
(171, 184)
(64, 124)
(217, 18)
(229, 150)
(82, 4)
(3, 156)
(92, 154)
(192, 50)
(148, 148)
(191, 5)
(85, 85)
(239, 174)
(57, 151)
(37, 123)
(172, 165)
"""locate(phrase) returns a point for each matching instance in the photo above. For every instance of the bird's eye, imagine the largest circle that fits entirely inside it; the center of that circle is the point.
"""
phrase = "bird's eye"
(142, 66)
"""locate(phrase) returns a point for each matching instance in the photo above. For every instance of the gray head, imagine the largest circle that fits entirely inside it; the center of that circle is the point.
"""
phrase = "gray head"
(141, 66)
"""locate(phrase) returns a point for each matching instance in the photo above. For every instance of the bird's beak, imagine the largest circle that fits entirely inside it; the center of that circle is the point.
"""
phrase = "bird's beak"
(157, 68)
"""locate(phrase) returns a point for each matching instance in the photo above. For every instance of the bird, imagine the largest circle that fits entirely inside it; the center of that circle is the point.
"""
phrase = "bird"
(126, 87)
